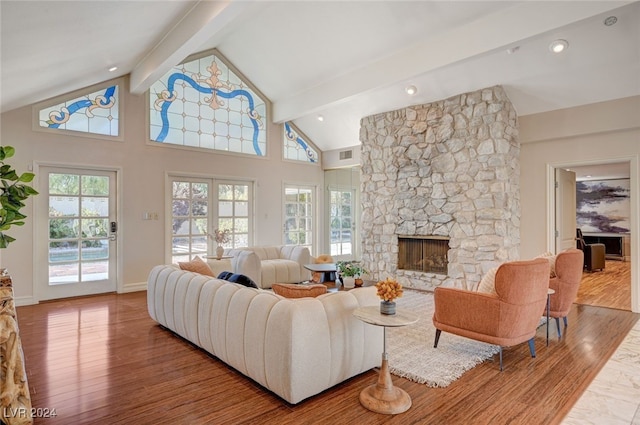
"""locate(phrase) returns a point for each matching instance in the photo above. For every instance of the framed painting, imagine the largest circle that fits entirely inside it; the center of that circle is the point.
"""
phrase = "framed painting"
(603, 206)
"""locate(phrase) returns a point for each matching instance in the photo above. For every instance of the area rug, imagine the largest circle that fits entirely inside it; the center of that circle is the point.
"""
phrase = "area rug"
(411, 352)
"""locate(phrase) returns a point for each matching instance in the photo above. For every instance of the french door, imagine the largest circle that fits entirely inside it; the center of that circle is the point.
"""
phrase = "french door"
(299, 207)
(342, 223)
(201, 205)
(77, 232)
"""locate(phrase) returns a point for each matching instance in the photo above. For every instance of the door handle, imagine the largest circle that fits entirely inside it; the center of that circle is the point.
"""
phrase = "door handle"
(112, 237)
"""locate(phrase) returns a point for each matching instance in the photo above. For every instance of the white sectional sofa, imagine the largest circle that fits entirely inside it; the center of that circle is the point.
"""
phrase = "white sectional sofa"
(294, 347)
(267, 265)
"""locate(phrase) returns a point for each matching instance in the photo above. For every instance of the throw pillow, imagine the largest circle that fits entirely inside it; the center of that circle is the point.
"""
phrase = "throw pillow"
(238, 278)
(321, 259)
(197, 265)
(488, 282)
(292, 290)
(224, 275)
(324, 259)
(551, 257)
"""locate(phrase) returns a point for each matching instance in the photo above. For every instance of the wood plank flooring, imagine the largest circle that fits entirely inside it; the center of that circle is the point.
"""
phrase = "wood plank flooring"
(102, 360)
(610, 287)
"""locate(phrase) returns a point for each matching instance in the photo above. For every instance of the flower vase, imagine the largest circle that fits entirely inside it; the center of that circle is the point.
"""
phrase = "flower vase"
(219, 251)
(388, 307)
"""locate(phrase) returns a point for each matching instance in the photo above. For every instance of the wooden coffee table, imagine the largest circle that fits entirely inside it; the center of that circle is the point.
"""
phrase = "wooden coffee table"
(383, 397)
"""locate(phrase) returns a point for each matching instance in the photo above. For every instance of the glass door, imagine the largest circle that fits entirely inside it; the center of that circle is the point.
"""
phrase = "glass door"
(197, 210)
(78, 221)
(299, 218)
(342, 223)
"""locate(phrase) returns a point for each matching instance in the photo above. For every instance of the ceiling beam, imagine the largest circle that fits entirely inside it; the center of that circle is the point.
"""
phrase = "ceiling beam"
(200, 24)
(503, 28)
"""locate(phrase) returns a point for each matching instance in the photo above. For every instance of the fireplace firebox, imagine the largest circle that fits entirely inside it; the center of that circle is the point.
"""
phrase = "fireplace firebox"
(423, 253)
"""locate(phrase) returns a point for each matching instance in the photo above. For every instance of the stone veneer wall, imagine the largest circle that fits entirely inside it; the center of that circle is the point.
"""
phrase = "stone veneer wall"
(448, 168)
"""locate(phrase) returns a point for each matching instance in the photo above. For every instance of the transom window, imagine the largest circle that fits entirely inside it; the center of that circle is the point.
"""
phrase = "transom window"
(95, 112)
(296, 147)
(202, 103)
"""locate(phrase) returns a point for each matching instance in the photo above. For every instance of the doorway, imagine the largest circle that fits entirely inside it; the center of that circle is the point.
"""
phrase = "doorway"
(77, 232)
(615, 286)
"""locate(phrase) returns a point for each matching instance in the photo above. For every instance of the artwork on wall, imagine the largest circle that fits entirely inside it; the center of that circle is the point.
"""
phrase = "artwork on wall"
(603, 206)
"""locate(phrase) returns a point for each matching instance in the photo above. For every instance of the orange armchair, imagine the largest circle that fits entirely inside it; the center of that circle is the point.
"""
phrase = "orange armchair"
(568, 270)
(507, 318)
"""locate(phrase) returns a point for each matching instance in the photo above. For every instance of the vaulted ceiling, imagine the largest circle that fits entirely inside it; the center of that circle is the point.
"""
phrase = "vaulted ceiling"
(342, 60)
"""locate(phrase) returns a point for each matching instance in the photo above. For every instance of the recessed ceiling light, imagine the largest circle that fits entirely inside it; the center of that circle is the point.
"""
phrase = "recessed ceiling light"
(588, 176)
(113, 68)
(558, 46)
(320, 118)
(411, 90)
(611, 20)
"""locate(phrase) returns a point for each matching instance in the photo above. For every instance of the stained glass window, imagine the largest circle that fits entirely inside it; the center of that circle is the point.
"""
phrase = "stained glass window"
(297, 148)
(202, 103)
(96, 113)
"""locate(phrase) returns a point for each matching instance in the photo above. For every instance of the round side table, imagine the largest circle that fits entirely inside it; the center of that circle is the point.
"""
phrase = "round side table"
(383, 397)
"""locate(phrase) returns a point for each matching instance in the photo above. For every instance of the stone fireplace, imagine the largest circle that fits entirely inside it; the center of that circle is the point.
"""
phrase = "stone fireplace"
(448, 170)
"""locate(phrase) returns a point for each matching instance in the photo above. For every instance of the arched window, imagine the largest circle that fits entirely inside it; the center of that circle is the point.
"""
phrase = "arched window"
(202, 103)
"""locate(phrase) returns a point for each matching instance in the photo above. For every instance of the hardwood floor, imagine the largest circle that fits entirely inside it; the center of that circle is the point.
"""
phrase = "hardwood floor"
(610, 287)
(102, 360)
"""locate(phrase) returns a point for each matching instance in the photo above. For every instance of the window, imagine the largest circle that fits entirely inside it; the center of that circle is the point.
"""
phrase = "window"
(298, 219)
(95, 112)
(341, 219)
(295, 147)
(202, 103)
(194, 215)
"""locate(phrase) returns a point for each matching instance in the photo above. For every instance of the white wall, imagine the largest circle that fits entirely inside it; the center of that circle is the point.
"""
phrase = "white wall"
(597, 133)
(143, 186)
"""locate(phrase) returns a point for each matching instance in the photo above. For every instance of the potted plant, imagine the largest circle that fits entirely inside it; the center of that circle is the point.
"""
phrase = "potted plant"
(13, 191)
(388, 290)
(350, 273)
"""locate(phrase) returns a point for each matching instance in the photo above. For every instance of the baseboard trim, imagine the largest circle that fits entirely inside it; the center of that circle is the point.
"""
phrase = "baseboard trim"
(134, 287)
(22, 301)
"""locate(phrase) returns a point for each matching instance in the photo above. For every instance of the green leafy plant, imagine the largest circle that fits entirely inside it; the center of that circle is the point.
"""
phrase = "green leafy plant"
(13, 190)
(350, 268)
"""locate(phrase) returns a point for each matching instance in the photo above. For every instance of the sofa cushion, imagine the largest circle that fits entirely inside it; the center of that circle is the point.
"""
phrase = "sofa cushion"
(267, 252)
(292, 290)
(238, 278)
(197, 265)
